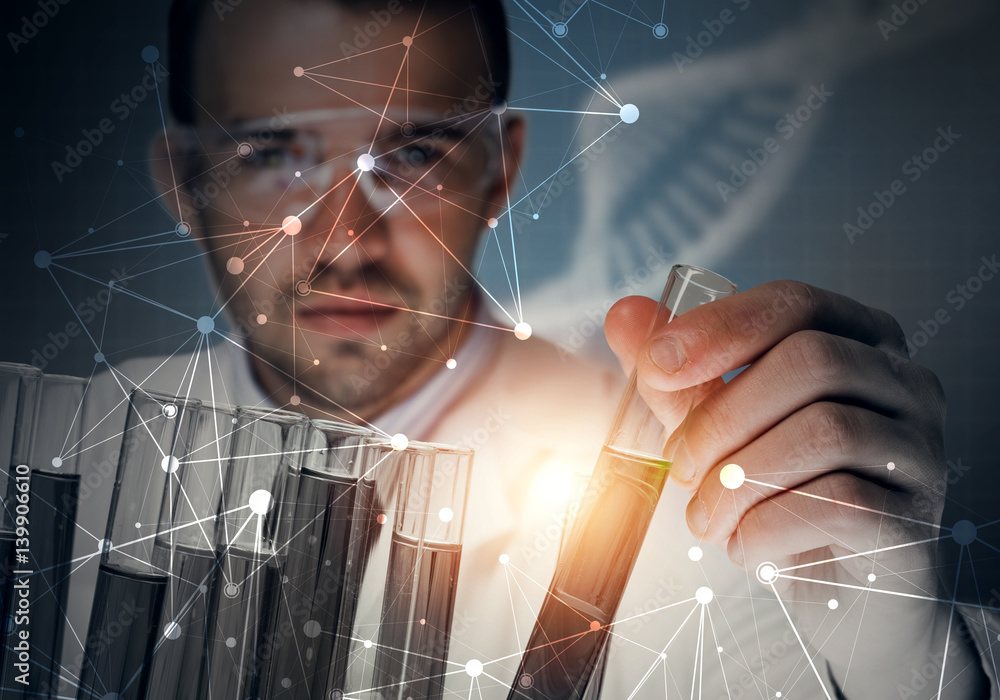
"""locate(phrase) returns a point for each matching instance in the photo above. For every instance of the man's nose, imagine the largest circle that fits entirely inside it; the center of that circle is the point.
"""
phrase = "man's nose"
(345, 231)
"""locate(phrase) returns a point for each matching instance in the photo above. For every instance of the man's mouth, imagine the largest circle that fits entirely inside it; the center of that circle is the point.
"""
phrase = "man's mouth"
(340, 314)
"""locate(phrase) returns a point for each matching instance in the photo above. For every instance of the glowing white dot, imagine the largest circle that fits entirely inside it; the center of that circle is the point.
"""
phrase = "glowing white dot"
(261, 501)
(522, 331)
(446, 515)
(298, 71)
(399, 441)
(231, 642)
(104, 546)
(492, 222)
(767, 573)
(172, 630)
(890, 466)
(298, 173)
(695, 553)
(777, 694)
(732, 476)
(234, 265)
(833, 604)
(261, 319)
(316, 362)
(291, 225)
(451, 363)
(474, 668)
(704, 595)
(368, 644)
(311, 629)
(718, 649)
(169, 410)
(504, 559)
(663, 656)
(366, 162)
(383, 348)
(871, 578)
(169, 464)
(56, 462)
(629, 113)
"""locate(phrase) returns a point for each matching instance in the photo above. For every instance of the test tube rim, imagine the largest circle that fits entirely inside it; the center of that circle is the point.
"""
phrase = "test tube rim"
(731, 286)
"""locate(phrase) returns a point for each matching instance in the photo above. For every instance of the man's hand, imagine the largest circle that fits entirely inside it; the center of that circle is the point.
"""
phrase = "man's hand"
(840, 439)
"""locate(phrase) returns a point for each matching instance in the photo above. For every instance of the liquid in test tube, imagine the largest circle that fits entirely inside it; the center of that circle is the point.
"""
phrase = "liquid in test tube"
(570, 634)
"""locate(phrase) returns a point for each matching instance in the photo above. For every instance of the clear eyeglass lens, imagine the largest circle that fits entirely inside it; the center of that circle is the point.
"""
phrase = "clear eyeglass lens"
(297, 164)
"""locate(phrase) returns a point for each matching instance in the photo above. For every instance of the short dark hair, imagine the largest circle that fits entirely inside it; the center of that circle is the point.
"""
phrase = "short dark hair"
(186, 15)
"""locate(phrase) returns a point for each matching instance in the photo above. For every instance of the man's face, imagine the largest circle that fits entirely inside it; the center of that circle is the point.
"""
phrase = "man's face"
(402, 235)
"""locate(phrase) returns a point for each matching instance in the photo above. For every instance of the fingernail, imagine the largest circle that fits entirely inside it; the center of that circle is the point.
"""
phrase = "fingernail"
(668, 354)
(681, 465)
(696, 516)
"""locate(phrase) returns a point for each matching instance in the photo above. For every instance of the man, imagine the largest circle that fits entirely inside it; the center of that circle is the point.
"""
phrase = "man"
(357, 184)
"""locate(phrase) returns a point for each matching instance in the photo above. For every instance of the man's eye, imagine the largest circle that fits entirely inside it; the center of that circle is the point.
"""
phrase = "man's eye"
(418, 155)
(277, 156)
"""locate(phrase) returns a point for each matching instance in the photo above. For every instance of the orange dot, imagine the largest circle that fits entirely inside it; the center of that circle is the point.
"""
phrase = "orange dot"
(423, 621)
(381, 518)
(594, 626)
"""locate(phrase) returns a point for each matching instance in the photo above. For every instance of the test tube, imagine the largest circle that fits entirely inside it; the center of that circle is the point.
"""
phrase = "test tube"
(252, 531)
(569, 637)
(324, 556)
(184, 548)
(130, 590)
(17, 385)
(47, 445)
(424, 558)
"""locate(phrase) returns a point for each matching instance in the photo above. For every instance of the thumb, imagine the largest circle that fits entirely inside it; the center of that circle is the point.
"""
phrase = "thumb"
(626, 327)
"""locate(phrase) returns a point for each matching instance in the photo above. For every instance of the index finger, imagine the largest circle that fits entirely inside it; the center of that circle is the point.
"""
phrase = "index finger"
(713, 339)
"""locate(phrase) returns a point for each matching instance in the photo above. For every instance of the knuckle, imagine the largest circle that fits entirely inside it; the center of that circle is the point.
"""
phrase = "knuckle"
(830, 429)
(799, 296)
(816, 357)
(846, 495)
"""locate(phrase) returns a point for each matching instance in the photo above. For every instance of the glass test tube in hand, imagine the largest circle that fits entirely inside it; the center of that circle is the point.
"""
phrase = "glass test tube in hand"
(131, 585)
(424, 557)
(570, 634)
(252, 532)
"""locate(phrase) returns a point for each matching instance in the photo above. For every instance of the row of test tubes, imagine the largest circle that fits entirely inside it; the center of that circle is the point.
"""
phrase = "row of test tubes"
(249, 553)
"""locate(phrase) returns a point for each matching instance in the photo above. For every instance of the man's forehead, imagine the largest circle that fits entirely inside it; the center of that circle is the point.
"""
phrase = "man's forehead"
(244, 66)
